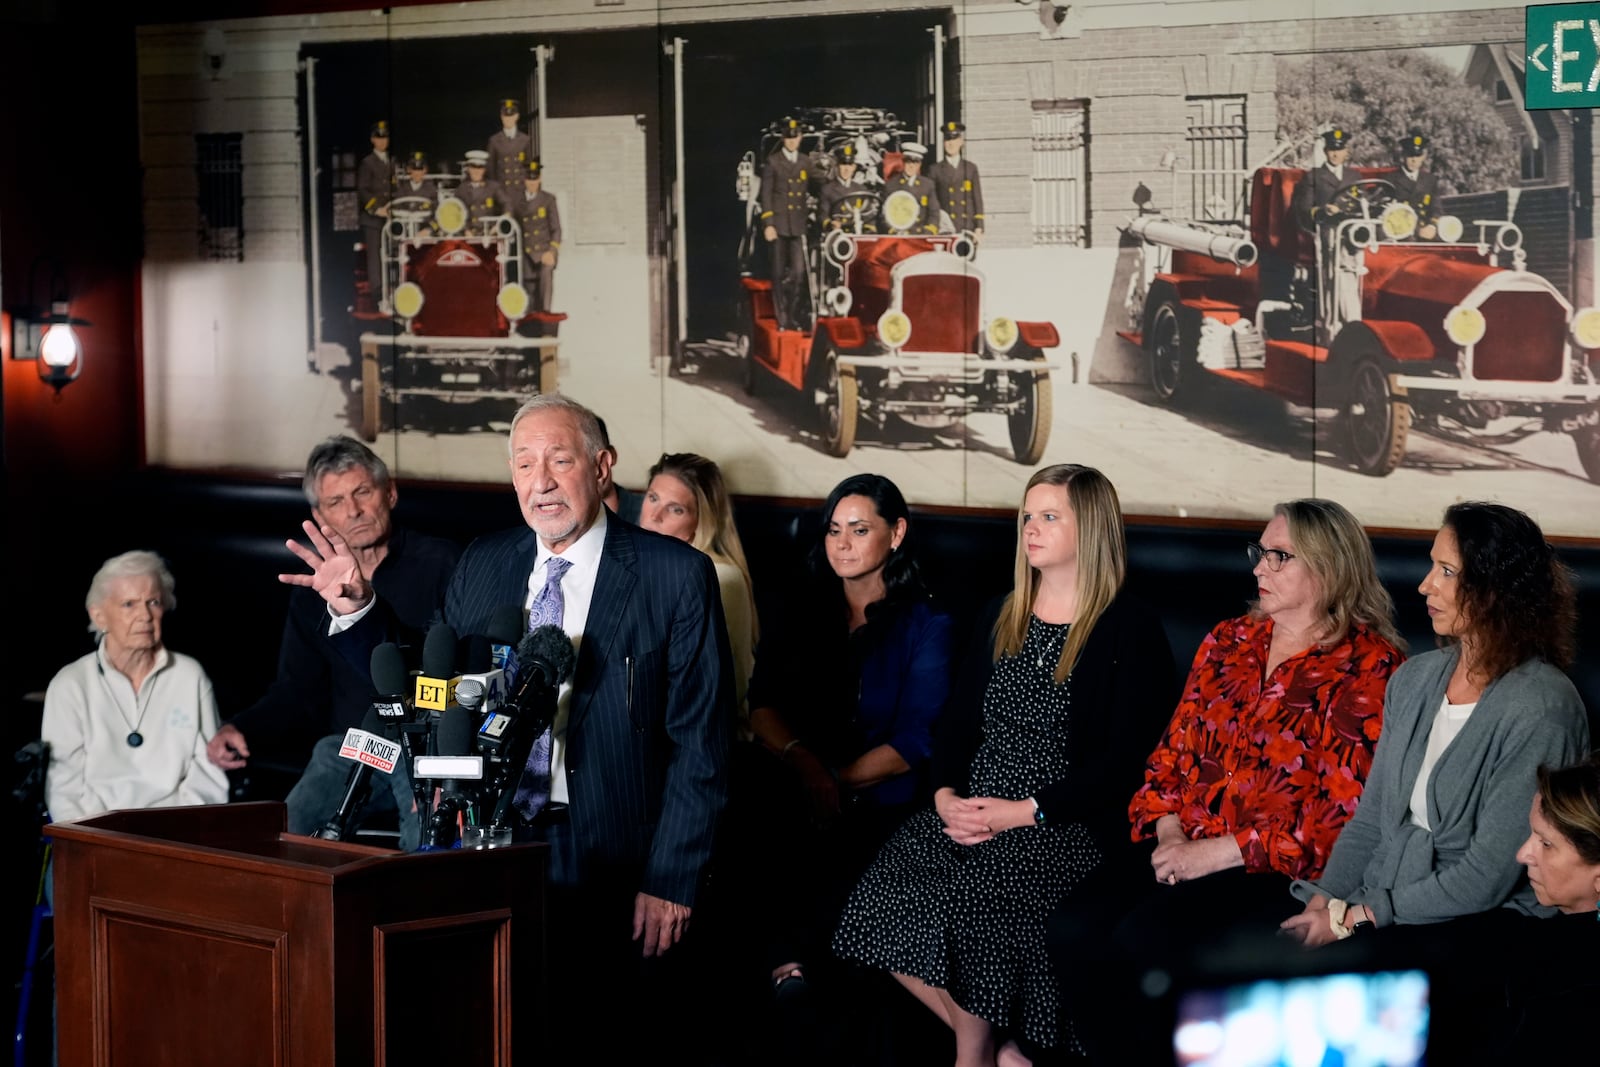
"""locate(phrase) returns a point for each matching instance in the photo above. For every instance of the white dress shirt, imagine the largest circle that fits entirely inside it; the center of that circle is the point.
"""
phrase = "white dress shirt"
(577, 590)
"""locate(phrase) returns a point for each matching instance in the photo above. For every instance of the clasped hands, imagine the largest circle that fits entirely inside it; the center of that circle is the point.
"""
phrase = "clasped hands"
(974, 820)
(1178, 859)
(1313, 927)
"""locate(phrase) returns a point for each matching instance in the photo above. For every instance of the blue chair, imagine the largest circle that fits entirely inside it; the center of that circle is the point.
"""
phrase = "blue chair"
(34, 759)
(41, 914)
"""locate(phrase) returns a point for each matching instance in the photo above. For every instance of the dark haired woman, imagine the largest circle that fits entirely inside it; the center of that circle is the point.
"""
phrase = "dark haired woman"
(1554, 976)
(846, 690)
(1464, 730)
(1061, 697)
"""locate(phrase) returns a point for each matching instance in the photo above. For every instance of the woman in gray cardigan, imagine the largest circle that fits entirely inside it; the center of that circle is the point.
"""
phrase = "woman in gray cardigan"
(1464, 730)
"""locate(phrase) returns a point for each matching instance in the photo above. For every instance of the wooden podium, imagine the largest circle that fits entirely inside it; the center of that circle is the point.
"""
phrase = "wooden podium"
(208, 935)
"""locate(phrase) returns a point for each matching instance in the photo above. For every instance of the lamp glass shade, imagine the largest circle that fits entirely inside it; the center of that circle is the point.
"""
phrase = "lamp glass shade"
(59, 347)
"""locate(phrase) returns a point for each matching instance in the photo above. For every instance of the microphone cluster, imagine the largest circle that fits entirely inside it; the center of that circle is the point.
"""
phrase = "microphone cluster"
(463, 736)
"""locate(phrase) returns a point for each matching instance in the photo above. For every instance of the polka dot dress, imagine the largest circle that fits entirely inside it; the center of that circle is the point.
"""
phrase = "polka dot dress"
(970, 920)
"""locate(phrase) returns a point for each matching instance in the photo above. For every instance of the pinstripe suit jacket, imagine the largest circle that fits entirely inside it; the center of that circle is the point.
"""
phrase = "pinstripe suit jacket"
(652, 702)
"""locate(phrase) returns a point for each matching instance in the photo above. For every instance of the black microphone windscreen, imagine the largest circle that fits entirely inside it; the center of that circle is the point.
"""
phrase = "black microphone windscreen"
(479, 657)
(372, 722)
(456, 731)
(439, 651)
(389, 676)
(550, 645)
(506, 624)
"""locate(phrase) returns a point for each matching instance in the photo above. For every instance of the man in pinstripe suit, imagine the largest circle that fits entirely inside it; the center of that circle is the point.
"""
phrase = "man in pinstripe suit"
(642, 731)
(638, 770)
(640, 741)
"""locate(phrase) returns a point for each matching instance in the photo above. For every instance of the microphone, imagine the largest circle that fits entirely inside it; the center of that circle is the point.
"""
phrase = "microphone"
(392, 681)
(491, 681)
(371, 752)
(389, 677)
(547, 659)
(505, 628)
(454, 758)
(436, 684)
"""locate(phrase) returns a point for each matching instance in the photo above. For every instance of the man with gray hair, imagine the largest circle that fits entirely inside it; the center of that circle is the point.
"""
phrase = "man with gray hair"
(628, 785)
(318, 693)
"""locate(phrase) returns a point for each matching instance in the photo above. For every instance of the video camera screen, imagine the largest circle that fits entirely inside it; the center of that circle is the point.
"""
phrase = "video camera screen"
(1354, 1020)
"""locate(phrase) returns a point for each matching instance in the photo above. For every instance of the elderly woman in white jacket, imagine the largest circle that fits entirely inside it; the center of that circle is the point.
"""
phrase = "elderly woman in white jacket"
(128, 723)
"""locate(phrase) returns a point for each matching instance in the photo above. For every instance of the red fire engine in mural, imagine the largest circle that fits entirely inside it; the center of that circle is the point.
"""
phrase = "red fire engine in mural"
(462, 328)
(896, 322)
(1453, 335)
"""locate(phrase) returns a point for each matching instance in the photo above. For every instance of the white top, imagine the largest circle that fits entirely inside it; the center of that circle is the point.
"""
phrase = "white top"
(90, 709)
(1447, 723)
(740, 616)
(577, 590)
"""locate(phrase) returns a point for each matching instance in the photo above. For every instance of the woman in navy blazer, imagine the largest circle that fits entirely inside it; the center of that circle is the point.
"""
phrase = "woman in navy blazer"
(846, 691)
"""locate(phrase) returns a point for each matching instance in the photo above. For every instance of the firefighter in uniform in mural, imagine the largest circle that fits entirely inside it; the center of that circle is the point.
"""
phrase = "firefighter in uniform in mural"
(956, 181)
(784, 184)
(509, 149)
(1416, 185)
(374, 187)
(1325, 197)
(535, 210)
(911, 180)
(416, 187)
(842, 202)
(1317, 200)
(482, 198)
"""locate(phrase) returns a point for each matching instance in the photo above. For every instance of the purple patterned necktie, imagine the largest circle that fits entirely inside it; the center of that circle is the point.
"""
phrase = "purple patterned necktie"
(547, 610)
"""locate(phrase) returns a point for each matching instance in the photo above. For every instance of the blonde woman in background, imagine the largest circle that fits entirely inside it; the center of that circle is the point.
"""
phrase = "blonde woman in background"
(688, 499)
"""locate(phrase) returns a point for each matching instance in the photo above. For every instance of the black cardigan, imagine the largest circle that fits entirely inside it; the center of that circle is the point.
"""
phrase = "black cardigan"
(1124, 689)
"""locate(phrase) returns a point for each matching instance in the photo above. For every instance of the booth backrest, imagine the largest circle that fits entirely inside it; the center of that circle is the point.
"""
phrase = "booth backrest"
(225, 541)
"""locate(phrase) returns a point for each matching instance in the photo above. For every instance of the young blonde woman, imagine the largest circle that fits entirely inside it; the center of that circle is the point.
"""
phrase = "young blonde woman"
(688, 499)
(1059, 701)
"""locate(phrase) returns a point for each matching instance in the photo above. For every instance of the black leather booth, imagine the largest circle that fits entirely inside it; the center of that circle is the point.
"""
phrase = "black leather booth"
(224, 537)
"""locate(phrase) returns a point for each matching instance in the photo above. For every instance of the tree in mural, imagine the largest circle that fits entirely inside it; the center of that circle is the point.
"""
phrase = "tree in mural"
(1385, 95)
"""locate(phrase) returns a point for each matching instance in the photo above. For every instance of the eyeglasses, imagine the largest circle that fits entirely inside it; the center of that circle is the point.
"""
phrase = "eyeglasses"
(1275, 557)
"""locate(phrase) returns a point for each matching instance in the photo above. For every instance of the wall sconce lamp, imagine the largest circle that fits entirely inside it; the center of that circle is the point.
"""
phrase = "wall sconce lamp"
(50, 338)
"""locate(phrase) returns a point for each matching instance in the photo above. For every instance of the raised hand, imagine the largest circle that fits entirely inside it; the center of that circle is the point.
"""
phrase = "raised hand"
(335, 573)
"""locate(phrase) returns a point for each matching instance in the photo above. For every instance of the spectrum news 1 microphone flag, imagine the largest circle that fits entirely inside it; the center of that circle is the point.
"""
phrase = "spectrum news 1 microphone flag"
(390, 680)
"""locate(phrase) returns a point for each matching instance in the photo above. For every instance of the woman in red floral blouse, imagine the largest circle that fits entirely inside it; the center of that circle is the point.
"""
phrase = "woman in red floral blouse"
(1261, 765)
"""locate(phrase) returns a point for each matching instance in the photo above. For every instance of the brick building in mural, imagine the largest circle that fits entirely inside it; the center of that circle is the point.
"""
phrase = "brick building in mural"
(1067, 122)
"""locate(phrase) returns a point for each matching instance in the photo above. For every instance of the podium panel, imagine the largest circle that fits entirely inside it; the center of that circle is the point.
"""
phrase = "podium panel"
(209, 935)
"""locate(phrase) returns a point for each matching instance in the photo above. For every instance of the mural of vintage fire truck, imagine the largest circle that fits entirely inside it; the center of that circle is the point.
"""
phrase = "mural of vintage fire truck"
(901, 326)
(461, 326)
(1452, 335)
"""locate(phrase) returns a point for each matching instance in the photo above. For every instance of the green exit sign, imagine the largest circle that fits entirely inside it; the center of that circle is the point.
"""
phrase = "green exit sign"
(1563, 50)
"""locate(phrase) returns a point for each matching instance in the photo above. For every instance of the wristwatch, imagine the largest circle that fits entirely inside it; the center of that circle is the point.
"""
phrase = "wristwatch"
(1038, 812)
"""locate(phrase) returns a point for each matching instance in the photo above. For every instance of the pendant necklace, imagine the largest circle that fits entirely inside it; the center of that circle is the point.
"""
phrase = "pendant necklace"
(1058, 639)
(135, 738)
